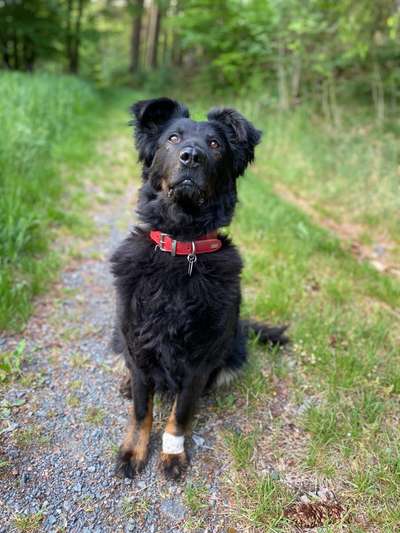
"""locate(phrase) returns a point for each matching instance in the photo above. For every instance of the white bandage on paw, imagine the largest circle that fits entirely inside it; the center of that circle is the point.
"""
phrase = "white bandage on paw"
(172, 443)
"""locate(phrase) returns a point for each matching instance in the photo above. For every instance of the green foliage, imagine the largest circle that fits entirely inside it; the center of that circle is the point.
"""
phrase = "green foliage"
(11, 363)
(299, 45)
(41, 117)
(241, 447)
(289, 48)
(196, 496)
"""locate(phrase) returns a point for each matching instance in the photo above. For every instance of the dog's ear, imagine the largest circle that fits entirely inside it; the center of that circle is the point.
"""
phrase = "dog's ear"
(150, 118)
(240, 133)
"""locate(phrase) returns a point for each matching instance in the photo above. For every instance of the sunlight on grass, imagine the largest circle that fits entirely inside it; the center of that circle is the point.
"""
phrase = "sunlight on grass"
(344, 354)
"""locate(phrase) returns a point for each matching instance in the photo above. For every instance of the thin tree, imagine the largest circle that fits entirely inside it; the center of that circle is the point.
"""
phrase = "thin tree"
(153, 35)
(137, 7)
(73, 37)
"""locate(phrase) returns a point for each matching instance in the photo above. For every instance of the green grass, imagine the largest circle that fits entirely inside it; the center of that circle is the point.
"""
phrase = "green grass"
(28, 523)
(196, 497)
(136, 508)
(343, 314)
(260, 501)
(41, 116)
(50, 125)
(345, 353)
(11, 363)
(95, 415)
(32, 436)
(241, 448)
(350, 170)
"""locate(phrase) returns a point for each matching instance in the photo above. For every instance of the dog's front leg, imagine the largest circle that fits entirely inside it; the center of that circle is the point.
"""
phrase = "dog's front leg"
(133, 451)
(174, 458)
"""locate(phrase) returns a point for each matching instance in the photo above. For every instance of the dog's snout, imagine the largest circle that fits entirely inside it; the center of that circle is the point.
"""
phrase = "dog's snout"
(190, 156)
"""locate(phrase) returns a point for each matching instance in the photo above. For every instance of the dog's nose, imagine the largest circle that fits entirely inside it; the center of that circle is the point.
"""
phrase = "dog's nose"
(190, 156)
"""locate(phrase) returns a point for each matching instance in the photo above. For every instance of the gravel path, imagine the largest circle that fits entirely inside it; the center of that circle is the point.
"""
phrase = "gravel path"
(61, 424)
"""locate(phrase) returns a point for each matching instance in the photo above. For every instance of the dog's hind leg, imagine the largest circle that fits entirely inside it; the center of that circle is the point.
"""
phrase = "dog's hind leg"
(174, 459)
(133, 451)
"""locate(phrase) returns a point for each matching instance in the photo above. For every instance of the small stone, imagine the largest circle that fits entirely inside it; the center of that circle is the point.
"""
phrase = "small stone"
(51, 519)
(66, 505)
(325, 494)
(199, 441)
(130, 526)
(77, 487)
(25, 478)
(92, 469)
(379, 250)
(173, 509)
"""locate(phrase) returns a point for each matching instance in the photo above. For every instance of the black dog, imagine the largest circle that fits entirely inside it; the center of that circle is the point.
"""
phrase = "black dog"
(177, 280)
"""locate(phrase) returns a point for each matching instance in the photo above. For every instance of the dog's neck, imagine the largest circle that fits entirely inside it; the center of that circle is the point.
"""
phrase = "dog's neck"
(156, 211)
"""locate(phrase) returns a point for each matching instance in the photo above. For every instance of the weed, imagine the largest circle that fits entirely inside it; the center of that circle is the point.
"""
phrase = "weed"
(196, 497)
(73, 401)
(134, 508)
(28, 523)
(11, 363)
(79, 360)
(95, 415)
(31, 436)
(241, 448)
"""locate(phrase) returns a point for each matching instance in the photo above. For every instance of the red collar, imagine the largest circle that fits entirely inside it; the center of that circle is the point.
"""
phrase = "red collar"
(203, 245)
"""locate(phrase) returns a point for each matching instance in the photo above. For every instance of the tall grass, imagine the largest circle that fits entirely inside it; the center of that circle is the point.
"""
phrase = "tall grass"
(350, 169)
(42, 117)
(347, 169)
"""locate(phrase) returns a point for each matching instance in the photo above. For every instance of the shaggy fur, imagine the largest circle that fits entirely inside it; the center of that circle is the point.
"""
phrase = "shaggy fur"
(180, 333)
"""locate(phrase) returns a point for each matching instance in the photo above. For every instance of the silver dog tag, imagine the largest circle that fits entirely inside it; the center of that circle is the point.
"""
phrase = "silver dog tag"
(192, 258)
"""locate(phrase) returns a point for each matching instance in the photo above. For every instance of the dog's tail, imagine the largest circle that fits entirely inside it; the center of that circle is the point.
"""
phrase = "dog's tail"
(274, 335)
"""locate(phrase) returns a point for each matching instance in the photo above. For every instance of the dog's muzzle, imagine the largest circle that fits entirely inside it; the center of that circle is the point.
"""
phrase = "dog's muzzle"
(187, 191)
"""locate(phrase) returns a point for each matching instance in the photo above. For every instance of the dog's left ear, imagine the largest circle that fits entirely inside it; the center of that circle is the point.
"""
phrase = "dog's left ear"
(241, 134)
(150, 118)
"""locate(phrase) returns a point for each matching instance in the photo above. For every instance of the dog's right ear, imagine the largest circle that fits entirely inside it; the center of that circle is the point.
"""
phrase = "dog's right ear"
(150, 118)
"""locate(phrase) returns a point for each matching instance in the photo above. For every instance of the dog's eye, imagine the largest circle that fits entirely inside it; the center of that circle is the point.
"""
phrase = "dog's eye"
(213, 144)
(174, 138)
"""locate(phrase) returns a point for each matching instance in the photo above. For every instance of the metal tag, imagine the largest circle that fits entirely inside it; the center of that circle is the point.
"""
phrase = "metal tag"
(192, 258)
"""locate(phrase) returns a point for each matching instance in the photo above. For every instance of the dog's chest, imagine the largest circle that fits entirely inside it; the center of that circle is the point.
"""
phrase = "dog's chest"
(172, 307)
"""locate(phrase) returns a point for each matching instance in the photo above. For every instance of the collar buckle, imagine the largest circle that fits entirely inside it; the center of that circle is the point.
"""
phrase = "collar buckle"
(162, 242)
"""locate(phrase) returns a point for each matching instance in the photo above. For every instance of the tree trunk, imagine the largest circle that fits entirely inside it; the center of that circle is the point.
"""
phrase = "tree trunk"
(68, 43)
(176, 54)
(154, 34)
(378, 94)
(282, 81)
(6, 55)
(296, 77)
(74, 38)
(135, 35)
(28, 54)
(15, 50)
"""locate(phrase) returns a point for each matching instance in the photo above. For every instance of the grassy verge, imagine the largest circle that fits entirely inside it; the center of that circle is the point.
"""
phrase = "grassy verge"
(348, 170)
(335, 394)
(49, 128)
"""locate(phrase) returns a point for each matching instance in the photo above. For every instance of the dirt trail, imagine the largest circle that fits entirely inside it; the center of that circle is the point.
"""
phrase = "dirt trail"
(379, 254)
(61, 424)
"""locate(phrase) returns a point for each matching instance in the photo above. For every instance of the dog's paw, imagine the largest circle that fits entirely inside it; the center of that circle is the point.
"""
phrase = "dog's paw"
(128, 464)
(174, 465)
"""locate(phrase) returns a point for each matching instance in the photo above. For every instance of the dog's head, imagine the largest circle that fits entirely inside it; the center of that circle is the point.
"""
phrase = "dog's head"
(191, 163)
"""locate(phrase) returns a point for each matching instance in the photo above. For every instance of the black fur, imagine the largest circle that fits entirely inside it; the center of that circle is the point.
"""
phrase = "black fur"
(177, 331)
